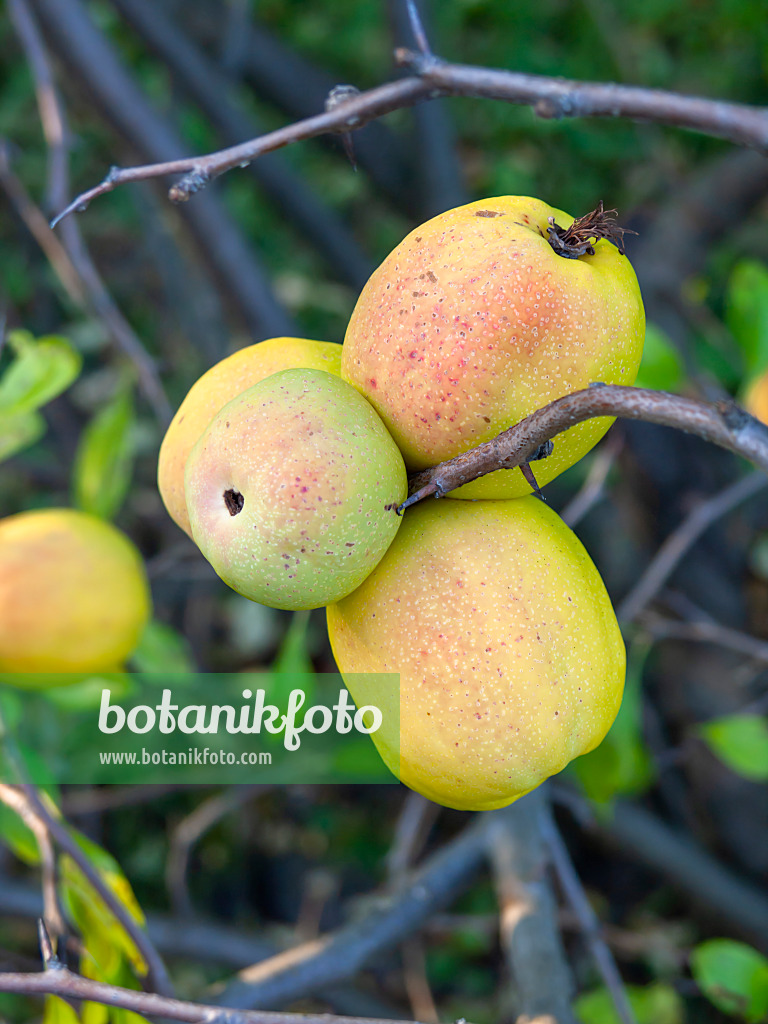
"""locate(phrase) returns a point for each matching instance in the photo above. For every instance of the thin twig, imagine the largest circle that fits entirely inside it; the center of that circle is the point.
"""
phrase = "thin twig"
(724, 424)
(642, 835)
(416, 818)
(211, 90)
(157, 976)
(416, 980)
(549, 97)
(682, 539)
(191, 829)
(72, 262)
(417, 27)
(705, 632)
(67, 985)
(52, 914)
(589, 924)
(220, 242)
(593, 488)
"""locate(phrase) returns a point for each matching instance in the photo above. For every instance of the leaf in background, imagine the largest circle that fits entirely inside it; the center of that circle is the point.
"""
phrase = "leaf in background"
(661, 367)
(17, 837)
(108, 944)
(19, 431)
(741, 742)
(59, 1012)
(103, 464)
(162, 649)
(733, 976)
(293, 656)
(41, 370)
(746, 313)
(652, 1004)
(621, 764)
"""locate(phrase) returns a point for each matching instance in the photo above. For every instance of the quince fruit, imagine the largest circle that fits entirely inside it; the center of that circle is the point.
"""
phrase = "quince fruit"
(74, 595)
(219, 385)
(483, 315)
(510, 658)
(292, 490)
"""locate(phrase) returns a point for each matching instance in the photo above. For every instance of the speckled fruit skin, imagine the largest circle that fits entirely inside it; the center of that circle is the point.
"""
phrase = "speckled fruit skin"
(320, 479)
(510, 657)
(73, 593)
(219, 385)
(473, 322)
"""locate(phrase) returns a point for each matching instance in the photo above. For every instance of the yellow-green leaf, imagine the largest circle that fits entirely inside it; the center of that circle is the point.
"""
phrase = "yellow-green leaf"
(104, 459)
(40, 371)
(741, 741)
(19, 431)
(734, 977)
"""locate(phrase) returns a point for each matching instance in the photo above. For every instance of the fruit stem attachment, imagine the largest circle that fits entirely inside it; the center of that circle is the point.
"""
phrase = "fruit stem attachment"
(576, 241)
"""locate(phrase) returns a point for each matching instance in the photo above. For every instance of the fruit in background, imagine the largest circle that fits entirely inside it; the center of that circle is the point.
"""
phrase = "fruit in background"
(756, 397)
(74, 596)
(219, 385)
(510, 657)
(475, 320)
(292, 490)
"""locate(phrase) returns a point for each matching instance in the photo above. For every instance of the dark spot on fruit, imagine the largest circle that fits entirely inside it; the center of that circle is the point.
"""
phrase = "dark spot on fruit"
(372, 381)
(487, 419)
(431, 277)
(227, 422)
(417, 238)
(349, 544)
(233, 500)
(488, 213)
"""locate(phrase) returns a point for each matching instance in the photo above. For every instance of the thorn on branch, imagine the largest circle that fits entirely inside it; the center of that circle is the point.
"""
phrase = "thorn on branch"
(577, 240)
(337, 97)
(51, 961)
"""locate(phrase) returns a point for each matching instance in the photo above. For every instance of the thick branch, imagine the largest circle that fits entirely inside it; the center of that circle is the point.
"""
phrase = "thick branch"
(313, 966)
(528, 920)
(63, 983)
(724, 424)
(561, 97)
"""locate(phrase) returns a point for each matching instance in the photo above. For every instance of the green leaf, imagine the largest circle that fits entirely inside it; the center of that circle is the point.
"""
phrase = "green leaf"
(103, 464)
(651, 1004)
(293, 656)
(108, 944)
(733, 976)
(621, 764)
(741, 741)
(661, 367)
(17, 837)
(746, 313)
(59, 1012)
(162, 649)
(41, 370)
(19, 431)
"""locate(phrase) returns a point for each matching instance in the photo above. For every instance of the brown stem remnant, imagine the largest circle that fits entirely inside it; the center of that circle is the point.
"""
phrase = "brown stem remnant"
(577, 240)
